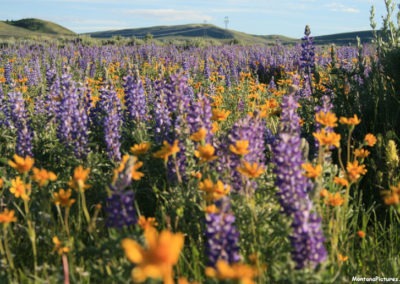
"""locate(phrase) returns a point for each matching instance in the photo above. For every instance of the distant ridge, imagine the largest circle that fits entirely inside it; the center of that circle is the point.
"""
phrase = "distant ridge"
(32, 27)
(206, 31)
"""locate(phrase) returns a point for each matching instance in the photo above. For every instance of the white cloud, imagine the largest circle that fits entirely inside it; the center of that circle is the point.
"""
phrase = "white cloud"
(170, 14)
(338, 7)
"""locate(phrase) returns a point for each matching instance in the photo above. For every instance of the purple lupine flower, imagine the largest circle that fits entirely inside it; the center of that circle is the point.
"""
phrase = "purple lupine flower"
(120, 205)
(72, 117)
(307, 237)
(251, 129)
(112, 124)
(8, 73)
(222, 236)
(199, 116)
(51, 76)
(307, 63)
(120, 209)
(20, 120)
(161, 115)
(135, 99)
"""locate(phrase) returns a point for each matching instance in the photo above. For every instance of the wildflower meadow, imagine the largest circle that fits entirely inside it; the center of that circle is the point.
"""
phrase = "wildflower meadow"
(163, 163)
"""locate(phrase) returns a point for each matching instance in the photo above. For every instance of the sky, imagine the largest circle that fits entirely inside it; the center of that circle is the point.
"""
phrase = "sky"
(261, 17)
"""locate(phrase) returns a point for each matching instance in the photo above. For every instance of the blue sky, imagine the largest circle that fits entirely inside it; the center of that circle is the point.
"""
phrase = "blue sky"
(261, 17)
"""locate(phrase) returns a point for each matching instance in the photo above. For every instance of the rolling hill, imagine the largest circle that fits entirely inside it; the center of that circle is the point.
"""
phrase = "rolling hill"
(26, 28)
(191, 31)
(29, 28)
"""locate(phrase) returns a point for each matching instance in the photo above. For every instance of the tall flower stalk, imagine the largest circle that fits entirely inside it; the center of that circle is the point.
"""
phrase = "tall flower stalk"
(306, 238)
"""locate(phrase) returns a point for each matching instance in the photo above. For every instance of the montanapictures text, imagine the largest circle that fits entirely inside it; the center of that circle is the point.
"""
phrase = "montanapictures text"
(374, 279)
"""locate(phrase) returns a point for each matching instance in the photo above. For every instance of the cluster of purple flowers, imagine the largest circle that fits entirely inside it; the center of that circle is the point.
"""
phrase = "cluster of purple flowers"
(307, 237)
(222, 236)
(19, 117)
(120, 204)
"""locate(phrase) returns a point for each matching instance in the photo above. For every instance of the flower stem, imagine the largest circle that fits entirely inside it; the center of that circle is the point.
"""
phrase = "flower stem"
(32, 235)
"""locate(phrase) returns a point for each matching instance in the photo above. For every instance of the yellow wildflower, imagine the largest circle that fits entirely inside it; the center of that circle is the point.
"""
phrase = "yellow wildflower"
(370, 139)
(137, 165)
(350, 120)
(58, 246)
(205, 153)
(140, 149)
(327, 138)
(167, 150)
(361, 153)
(79, 178)
(250, 170)
(354, 170)
(213, 191)
(220, 114)
(311, 171)
(145, 223)
(42, 177)
(22, 165)
(240, 148)
(7, 216)
(20, 189)
(199, 135)
(341, 181)
(334, 199)
(328, 119)
(62, 198)
(158, 258)
(236, 272)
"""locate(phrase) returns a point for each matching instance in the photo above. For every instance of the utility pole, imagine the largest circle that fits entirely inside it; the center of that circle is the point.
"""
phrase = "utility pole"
(226, 20)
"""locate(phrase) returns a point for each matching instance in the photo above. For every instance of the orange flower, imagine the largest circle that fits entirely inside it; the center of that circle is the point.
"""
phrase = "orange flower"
(214, 191)
(312, 172)
(205, 153)
(220, 114)
(1, 183)
(341, 181)
(79, 178)
(249, 170)
(334, 199)
(324, 193)
(370, 139)
(361, 234)
(140, 149)
(200, 135)
(58, 246)
(196, 175)
(62, 198)
(7, 216)
(42, 177)
(240, 148)
(158, 258)
(167, 150)
(342, 258)
(328, 119)
(239, 272)
(20, 189)
(350, 121)
(392, 196)
(327, 138)
(22, 165)
(145, 223)
(361, 153)
(215, 127)
(137, 165)
(355, 171)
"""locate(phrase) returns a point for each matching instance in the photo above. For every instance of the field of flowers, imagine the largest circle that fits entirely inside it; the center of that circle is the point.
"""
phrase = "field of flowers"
(248, 164)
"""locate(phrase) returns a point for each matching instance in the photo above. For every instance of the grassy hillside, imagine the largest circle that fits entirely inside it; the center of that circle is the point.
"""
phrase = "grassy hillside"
(27, 28)
(345, 38)
(187, 31)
